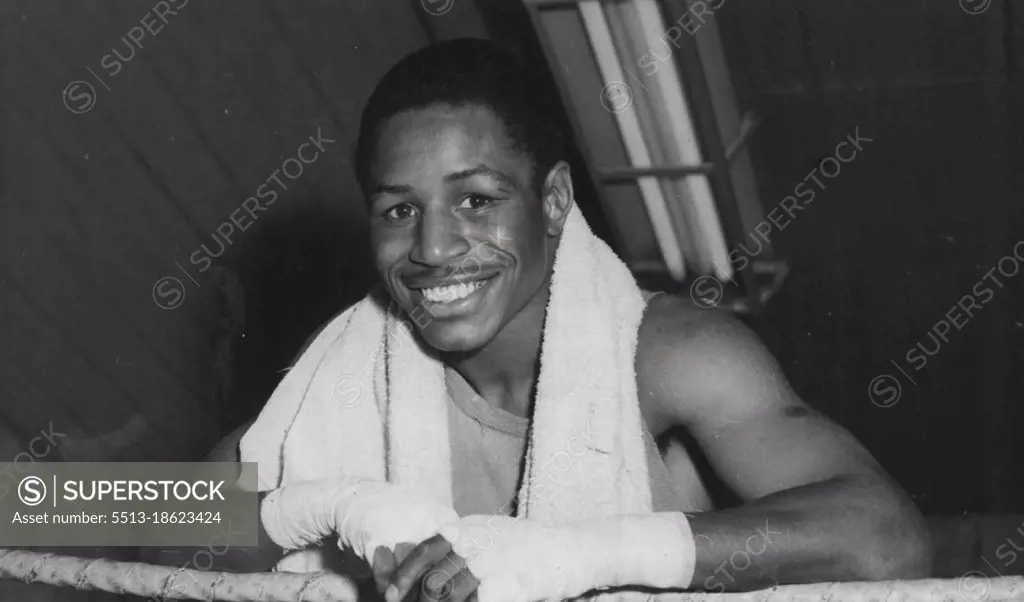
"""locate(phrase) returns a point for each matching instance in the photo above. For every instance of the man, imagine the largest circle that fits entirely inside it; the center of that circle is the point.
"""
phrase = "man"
(460, 150)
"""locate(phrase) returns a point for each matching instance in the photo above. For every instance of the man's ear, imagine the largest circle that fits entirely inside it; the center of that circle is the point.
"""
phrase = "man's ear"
(557, 197)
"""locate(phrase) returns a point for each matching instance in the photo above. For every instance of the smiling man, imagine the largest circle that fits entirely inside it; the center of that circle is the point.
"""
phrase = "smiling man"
(463, 163)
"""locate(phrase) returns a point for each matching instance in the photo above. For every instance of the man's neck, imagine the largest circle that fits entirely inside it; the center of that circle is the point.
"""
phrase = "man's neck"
(505, 370)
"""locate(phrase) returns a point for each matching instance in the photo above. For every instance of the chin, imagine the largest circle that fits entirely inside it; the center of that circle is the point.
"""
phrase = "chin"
(461, 336)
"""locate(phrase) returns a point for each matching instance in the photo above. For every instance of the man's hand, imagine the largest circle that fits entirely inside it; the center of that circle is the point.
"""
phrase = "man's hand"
(364, 514)
(383, 514)
(506, 559)
(428, 572)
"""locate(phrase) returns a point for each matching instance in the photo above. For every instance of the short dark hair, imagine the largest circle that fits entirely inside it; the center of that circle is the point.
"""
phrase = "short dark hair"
(471, 72)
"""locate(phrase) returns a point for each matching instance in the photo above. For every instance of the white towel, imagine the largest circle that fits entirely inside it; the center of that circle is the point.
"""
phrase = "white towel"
(366, 399)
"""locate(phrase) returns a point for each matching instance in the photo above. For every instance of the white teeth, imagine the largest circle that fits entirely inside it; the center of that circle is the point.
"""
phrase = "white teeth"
(452, 292)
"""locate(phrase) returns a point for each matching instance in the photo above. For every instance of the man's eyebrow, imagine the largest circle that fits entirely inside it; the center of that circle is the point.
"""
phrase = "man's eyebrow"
(482, 170)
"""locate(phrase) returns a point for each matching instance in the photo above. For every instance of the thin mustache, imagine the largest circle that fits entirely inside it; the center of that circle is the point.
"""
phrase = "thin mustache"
(464, 268)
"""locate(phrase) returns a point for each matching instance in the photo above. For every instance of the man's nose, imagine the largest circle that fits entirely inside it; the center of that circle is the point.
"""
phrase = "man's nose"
(439, 241)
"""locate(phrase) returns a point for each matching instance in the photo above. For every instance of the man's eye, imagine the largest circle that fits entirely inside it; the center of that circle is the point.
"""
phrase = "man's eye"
(475, 201)
(399, 213)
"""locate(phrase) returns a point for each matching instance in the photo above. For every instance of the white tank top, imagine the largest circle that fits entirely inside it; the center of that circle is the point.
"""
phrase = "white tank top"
(489, 446)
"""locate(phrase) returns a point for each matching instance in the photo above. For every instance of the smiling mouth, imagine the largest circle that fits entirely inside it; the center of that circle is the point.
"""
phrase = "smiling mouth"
(451, 293)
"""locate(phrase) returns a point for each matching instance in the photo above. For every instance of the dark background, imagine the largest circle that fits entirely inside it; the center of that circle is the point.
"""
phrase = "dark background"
(96, 207)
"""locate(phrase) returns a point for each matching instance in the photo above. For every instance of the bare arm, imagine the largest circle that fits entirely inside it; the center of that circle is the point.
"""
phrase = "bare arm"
(817, 505)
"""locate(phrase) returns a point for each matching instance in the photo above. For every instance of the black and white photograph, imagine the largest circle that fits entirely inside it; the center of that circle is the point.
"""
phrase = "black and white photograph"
(511, 300)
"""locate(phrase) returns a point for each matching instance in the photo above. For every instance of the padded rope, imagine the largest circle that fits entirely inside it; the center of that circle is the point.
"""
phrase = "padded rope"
(169, 583)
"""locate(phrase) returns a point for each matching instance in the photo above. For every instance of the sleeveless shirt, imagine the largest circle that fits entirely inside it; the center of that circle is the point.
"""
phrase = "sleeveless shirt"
(488, 448)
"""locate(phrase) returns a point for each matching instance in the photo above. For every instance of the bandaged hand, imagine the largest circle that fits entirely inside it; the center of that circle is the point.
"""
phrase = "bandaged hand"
(518, 560)
(364, 514)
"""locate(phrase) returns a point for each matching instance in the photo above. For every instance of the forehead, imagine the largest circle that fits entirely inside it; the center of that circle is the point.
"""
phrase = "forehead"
(446, 137)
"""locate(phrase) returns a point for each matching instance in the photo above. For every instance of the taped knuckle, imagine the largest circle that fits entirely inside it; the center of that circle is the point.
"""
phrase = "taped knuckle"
(437, 585)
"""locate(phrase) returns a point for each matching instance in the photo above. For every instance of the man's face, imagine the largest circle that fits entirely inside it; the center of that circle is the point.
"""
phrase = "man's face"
(456, 228)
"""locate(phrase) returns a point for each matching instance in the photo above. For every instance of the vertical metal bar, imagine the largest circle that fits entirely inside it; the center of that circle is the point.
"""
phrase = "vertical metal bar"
(667, 231)
(693, 76)
(534, 11)
(692, 196)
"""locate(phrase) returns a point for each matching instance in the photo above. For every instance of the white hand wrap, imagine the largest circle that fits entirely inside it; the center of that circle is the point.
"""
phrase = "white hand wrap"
(364, 514)
(517, 560)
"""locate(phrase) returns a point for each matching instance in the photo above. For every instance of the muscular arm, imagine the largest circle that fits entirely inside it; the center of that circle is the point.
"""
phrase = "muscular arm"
(817, 505)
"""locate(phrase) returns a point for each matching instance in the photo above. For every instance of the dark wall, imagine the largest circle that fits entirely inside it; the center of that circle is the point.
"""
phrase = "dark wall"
(113, 189)
(113, 175)
(903, 232)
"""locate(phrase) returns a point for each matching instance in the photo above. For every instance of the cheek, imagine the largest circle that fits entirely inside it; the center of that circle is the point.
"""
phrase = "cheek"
(532, 254)
(387, 251)
(531, 270)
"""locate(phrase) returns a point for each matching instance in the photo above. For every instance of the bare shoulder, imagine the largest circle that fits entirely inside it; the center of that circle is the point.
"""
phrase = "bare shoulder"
(692, 361)
(669, 318)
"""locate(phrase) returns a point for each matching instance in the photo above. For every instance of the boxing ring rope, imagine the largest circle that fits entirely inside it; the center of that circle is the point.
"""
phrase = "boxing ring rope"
(171, 583)
(163, 582)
